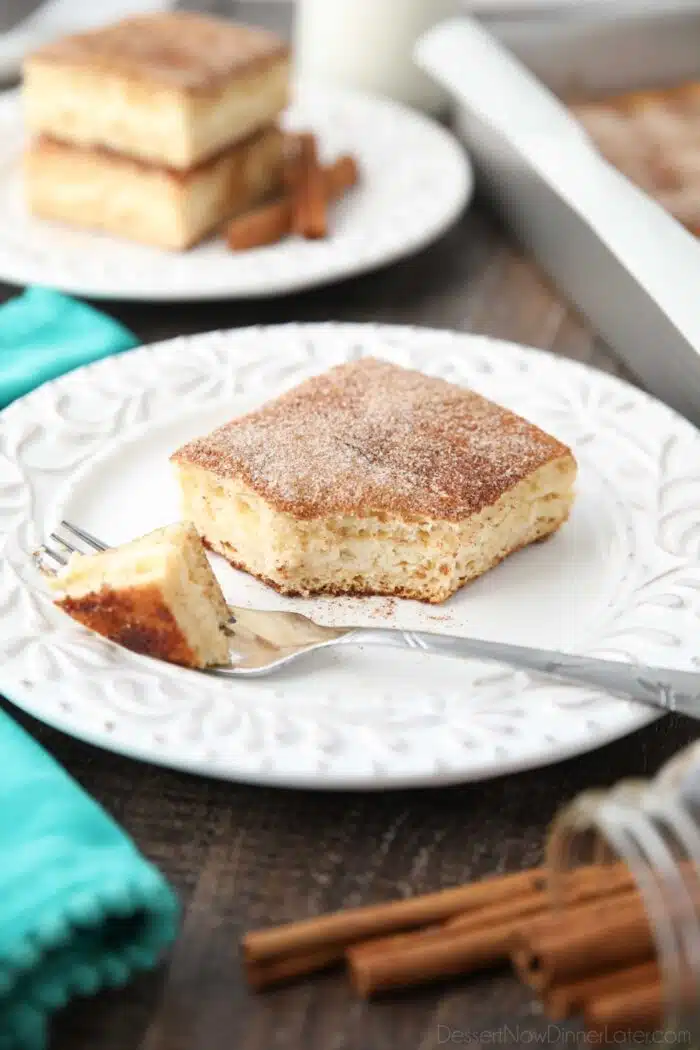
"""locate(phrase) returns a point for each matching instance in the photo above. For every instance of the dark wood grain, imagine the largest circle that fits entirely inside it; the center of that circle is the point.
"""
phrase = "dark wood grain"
(244, 856)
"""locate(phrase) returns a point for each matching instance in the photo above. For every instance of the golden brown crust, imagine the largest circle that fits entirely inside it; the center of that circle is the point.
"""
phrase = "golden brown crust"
(135, 617)
(370, 437)
(190, 52)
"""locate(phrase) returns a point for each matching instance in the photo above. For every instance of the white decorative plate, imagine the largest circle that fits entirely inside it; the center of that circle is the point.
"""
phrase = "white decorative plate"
(416, 179)
(623, 577)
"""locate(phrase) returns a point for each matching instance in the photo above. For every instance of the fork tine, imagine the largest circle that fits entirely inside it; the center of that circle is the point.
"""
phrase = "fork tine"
(58, 554)
(86, 537)
(64, 543)
(53, 554)
(40, 556)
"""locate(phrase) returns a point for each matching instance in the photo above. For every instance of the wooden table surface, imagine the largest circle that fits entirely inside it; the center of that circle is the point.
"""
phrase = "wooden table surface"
(244, 856)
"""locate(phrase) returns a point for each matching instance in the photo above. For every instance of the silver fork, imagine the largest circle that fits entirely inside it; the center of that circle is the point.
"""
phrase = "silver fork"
(264, 642)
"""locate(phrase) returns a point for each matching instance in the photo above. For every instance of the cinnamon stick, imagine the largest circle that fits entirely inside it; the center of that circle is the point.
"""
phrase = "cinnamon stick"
(592, 912)
(577, 950)
(341, 176)
(525, 908)
(633, 1009)
(421, 960)
(347, 927)
(375, 921)
(567, 1000)
(261, 975)
(271, 222)
(262, 226)
(483, 921)
(309, 202)
(279, 971)
(466, 943)
(396, 941)
(584, 901)
(521, 908)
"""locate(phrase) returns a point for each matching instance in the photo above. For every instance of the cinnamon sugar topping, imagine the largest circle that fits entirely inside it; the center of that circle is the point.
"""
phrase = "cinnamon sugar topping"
(371, 437)
(179, 49)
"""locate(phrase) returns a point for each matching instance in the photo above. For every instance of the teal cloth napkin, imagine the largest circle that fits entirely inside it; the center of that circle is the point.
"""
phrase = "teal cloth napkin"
(80, 908)
(44, 334)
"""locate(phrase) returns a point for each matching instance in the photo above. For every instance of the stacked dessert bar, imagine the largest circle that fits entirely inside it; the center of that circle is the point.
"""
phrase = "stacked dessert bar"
(157, 128)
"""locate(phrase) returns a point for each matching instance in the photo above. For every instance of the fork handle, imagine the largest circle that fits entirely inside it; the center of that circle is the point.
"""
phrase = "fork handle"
(658, 687)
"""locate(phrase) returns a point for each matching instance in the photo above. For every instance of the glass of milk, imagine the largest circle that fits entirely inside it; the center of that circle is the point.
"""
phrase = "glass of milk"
(368, 44)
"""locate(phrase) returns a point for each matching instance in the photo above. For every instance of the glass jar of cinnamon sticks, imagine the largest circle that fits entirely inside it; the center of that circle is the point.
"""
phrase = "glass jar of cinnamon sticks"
(606, 934)
(651, 828)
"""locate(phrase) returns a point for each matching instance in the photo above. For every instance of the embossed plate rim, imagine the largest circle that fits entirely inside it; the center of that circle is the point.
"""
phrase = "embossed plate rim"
(168, 690)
